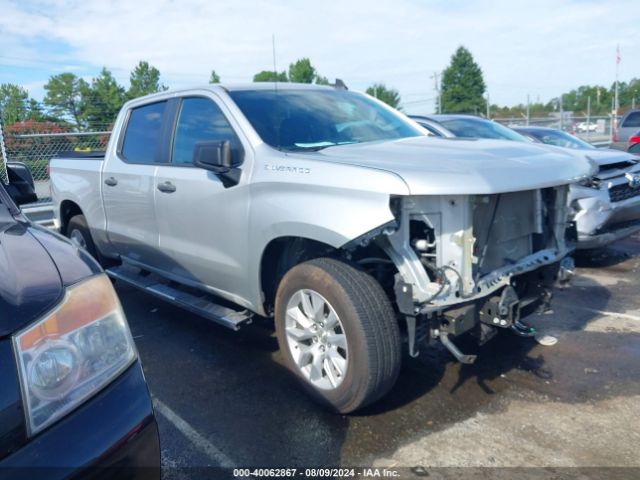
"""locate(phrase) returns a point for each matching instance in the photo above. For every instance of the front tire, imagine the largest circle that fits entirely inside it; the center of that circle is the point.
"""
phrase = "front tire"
(338, 333)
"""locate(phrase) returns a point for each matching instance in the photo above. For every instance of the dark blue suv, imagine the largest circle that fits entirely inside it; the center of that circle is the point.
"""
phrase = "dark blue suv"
(73, 398)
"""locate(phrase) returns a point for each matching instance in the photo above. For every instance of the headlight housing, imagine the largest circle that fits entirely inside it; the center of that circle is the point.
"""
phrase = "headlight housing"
(73, 352)
(590, 182)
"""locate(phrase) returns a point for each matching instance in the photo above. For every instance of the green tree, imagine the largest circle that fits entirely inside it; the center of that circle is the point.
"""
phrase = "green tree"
(390, 96)
(36, 113)
(301, 71)
(64, 97)
(144, 79)
(103, 100)
(270, 76)
(214, 78)
(320, 80)
(462, 85)
(13, 103)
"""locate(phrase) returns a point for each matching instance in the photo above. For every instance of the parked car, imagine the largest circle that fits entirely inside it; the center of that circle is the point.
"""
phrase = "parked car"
(434, 128)
(606, 207)
(329, 212)
(552, 136)
(469, 126)
(73, 401)
(585, 127)
(628, 125)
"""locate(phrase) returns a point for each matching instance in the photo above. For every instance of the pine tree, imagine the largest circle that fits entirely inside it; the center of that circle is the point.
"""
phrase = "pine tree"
(462, 85)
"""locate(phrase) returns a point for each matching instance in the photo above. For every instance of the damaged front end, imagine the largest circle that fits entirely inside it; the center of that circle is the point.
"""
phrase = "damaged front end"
(476, 263)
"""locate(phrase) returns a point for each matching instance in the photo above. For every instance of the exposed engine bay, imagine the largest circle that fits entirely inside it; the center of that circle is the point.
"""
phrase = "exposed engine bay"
(475, 263)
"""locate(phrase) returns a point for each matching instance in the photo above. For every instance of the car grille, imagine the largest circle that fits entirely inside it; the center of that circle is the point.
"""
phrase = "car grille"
(617, 193)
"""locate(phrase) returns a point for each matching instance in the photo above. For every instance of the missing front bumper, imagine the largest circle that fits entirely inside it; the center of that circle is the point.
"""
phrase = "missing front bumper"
(483, 317)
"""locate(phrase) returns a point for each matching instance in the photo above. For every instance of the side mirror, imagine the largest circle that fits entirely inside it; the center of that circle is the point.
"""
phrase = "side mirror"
(21, 186)
(216, 157)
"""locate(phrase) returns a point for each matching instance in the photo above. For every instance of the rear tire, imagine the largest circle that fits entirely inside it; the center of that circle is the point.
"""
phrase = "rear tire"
(80, 235)
(338, 333)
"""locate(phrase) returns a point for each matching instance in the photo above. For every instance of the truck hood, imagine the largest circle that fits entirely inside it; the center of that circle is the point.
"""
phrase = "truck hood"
(460, 166)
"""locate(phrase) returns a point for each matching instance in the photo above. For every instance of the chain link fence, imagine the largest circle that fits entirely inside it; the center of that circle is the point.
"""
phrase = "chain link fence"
(36, 149)
(4, 176)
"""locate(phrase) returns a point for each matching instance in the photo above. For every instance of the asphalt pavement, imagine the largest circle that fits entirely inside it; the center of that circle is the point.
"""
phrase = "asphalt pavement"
(224, 398)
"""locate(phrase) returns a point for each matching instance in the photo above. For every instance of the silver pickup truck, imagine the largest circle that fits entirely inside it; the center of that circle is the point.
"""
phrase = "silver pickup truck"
(329, 212)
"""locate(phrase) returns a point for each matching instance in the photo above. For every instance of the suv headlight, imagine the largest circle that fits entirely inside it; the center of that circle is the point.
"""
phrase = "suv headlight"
(72, 352)
(590, 182)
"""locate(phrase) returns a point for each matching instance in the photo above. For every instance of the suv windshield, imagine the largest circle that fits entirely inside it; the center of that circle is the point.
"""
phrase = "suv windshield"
(292, 120)
(480, 128)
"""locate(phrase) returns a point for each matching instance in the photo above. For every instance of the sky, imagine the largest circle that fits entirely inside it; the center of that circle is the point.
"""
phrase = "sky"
(540, 48)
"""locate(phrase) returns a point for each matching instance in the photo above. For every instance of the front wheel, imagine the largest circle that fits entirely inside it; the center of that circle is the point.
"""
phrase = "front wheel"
(338, 333)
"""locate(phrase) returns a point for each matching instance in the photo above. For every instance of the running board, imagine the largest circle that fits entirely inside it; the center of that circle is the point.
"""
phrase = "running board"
(199, 303)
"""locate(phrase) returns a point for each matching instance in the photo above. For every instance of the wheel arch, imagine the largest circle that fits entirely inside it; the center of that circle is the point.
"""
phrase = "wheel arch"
(281, 254)
(68, 209)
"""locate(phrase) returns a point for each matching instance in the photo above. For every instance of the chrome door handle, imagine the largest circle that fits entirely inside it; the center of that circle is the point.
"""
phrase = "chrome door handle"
(112, 182)
(167, 187)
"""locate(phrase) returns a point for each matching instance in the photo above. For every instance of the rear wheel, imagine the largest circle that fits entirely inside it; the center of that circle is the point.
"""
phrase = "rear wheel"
(338, 333)
(80, 235)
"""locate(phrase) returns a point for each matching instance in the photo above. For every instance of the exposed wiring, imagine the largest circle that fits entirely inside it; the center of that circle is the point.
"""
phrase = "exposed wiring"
(461, 288)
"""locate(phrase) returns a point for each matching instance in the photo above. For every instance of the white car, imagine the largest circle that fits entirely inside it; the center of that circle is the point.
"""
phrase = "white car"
(586, 127)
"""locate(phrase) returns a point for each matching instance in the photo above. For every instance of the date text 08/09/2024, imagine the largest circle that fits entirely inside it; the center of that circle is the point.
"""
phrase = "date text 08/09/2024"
(316, 472)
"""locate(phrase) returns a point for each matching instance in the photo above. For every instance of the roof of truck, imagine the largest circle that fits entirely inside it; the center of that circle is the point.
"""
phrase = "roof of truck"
(238, 87)
(274, 86)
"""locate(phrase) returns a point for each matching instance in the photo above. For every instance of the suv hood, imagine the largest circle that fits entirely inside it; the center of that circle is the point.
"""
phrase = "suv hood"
(29, 280)
(609, 156)
(458, 166)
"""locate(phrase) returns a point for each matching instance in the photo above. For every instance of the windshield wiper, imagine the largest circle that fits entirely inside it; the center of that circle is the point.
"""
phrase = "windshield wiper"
(316, 146)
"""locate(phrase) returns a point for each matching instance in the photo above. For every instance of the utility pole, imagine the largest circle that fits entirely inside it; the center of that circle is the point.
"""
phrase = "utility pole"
(561, 114)
(616, 103)
(588, 116)
(528, 110)
(488, 107)
(436, 86)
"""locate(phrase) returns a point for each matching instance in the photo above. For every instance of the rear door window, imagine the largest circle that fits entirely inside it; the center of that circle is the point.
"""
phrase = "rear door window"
(143, 135)
(632, 120)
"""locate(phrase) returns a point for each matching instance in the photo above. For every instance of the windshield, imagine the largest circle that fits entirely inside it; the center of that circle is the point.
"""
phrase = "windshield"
(480, 128)
(559, 139)
(301, 120)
